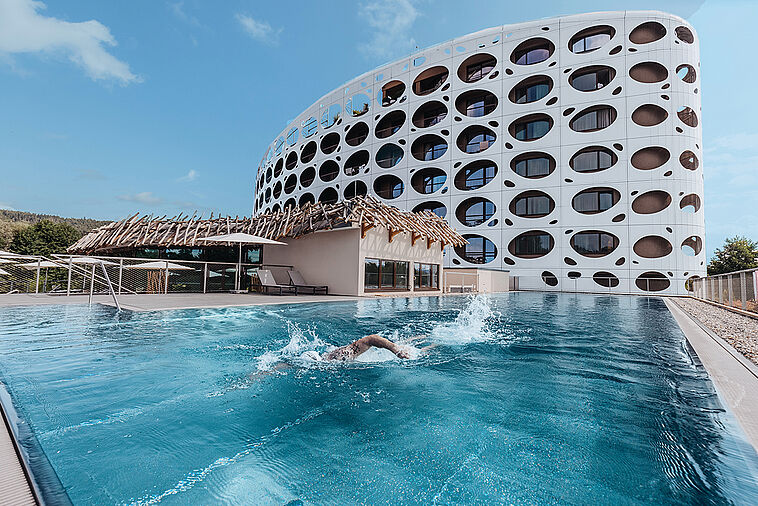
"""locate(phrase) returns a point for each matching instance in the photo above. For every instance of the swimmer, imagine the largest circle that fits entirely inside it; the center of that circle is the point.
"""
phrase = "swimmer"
(356, 348)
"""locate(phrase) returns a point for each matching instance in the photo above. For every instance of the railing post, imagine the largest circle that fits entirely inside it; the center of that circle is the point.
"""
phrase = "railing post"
(743, 290)
(721, 290)
(205, 276)
(120, 274)
(68, 285)
(36, 286)
(730, 288)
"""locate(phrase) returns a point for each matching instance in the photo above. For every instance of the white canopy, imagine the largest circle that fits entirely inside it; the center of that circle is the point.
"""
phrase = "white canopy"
(160, 265)
(4, 261)
(90, 261)
(44, 264)
(8, 254)
(4, 273)
(240, 238)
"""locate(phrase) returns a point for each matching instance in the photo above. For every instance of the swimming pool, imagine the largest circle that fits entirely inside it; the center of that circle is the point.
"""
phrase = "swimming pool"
(528, 398)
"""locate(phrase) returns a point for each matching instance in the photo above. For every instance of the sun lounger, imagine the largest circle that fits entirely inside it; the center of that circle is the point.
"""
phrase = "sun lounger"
(302, 287)
(269, 284)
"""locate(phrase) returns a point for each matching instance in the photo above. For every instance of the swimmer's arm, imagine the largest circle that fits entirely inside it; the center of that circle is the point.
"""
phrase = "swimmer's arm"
(380, 342)
(261, 374)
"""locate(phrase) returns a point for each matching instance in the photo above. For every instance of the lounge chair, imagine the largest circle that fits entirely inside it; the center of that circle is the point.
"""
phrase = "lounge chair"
(269, 284)
(302, 287)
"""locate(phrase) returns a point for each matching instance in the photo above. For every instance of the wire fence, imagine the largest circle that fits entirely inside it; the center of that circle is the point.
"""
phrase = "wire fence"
(67, 275)
(736, 289)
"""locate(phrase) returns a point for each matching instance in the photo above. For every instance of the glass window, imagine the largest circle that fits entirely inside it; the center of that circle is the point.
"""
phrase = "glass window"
(371, 274)
(595, 200)
(477, 103)
(533, 206)
(437, 208)
(475, 139)
(428, 147)
(479, 250)
(594, 119)
(532, 130)
(475, 211)
(531, 89)
(391, 92)
(389, 186)
(428, 180)
(389, 155)
(591, 38)
(429, 80)
(532, 51)
(390, 124)
(426, 276)
(531, 244)
(429, 114)
(475, 175)
(533, 166)
(594, 243)
(476, 67)
(593, 159)
(592, 78)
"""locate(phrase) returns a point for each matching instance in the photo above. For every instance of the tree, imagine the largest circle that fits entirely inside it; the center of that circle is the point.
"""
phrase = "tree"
(738, 253)
(44, 238)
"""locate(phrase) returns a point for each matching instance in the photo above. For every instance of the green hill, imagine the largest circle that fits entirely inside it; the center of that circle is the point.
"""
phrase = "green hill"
(10, 221)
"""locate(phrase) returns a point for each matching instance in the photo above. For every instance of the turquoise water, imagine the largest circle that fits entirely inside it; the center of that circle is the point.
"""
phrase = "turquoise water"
(528, 398)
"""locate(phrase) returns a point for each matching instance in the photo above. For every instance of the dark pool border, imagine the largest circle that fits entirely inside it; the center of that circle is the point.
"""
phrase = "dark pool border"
(32, 457)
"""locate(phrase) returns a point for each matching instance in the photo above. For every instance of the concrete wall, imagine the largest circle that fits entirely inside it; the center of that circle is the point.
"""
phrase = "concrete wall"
(323, 258)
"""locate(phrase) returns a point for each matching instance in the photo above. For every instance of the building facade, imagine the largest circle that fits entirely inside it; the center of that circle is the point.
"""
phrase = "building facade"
(565, 150)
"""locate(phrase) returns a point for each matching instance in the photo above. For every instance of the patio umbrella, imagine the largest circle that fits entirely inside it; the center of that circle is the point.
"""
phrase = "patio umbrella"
(91, 261)
(240, 238)
(42, 264)
(161, 265)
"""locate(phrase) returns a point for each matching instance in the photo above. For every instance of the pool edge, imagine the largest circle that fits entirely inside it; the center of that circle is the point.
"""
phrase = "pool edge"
(733, 376)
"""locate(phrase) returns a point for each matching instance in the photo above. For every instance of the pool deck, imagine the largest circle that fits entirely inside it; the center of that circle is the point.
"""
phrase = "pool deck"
(14, 483)
(735, 377)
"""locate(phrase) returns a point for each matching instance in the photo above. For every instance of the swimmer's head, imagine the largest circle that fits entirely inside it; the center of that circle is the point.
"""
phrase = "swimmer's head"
(311, 355)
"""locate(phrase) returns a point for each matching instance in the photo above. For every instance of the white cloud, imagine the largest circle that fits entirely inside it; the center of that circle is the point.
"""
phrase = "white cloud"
(259, 30)
(7, 207)
(190, 176)
(24, 30)
(177, 8)
(391, 22)
(141, 198)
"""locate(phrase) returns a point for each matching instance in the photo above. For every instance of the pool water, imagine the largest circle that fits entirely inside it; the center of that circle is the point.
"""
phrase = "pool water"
(526, 398)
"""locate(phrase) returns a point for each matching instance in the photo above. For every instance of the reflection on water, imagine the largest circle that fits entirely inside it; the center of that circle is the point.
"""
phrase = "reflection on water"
(527, 398)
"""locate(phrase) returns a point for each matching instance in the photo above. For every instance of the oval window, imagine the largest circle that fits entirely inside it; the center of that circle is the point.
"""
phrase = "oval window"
(328, 196)
(684, 34)
(306, 198)
(330, 117)
(433, 206)
(428, 180)
(532, 204)
(606, 279)
(652, 281)
(690, 203)
(476, 103)
(330, 143)
(290, 184)
(356, 163)
(652, 246)
(474, 211)
(310, 127)
(357, 134)
(648, 72)
(531, 90)
(429, 114)
(277, 189)
(686, 73)
(594, 243)
(307, 177)
(591, 39)
(429, 80)
(593, 159)
(533, 165)
(475, 139)
(649, 115)
(428, 147)
(687, 116)
(592, 78)
(531, 128)
(532, 244)
(532, 51)
(388, 186)
(595, 200)
(389, 155)
(479, 249)
(549, 278)
(391, 92)
(357, 105)
(389, 124)
(475, 175)
(692, 246)
(593, 119)
(291, 162)
(355, 189)
(651, 202)
(328, 171)
(309, 151)
(476, 67)
(650, 158)
(292, 137)
(278, 168)
(689, 160)
(647, 32)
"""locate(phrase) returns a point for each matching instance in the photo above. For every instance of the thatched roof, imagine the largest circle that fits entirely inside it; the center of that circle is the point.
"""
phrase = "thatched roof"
(181, 231)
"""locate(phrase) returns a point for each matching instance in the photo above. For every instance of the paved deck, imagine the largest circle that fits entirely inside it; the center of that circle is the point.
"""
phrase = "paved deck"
(735, 377)
(158, 302)
(14, 487)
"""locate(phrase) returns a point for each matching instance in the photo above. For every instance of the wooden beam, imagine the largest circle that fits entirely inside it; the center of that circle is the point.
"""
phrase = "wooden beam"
(414, 237)
(365, 228)
(393, 233)
(429, 243)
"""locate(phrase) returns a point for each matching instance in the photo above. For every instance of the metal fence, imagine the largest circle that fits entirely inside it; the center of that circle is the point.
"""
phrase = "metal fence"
(736, 289)
(61, 274)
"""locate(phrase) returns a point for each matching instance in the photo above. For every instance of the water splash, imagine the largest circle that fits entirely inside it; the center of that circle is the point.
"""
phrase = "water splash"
(471, 324)
(300, 342)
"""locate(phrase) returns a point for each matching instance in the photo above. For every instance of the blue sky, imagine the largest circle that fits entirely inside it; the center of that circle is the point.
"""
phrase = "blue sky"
(112, 107)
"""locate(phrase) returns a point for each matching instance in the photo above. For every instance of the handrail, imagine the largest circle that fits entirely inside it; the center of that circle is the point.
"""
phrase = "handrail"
(110, 286)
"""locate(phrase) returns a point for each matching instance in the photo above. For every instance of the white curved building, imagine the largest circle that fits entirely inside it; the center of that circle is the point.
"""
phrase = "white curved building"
(565, 150)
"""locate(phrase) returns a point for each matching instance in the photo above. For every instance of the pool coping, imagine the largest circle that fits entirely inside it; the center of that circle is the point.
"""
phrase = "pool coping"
(18, 486)
(734, 376)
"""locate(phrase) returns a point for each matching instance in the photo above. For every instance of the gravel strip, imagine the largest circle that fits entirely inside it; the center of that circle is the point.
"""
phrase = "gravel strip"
(738, 330)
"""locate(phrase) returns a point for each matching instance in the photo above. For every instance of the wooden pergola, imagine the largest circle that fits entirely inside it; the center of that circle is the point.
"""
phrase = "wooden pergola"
(184, 231)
